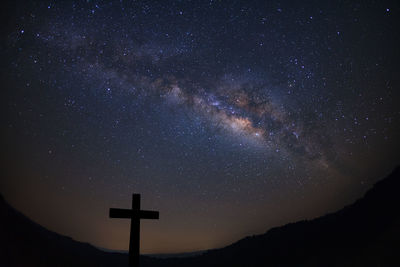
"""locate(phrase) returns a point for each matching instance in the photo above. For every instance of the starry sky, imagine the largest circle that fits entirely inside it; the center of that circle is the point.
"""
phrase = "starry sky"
(228, 117)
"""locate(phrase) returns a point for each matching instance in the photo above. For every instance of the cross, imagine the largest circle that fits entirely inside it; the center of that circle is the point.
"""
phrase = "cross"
(135, 214)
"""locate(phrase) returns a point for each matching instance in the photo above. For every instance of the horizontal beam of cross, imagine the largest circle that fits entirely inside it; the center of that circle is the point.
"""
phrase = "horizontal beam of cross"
(125, 213)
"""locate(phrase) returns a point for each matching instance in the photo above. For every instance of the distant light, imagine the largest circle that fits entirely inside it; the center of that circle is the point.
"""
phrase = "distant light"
(387, 9)
(22, 31)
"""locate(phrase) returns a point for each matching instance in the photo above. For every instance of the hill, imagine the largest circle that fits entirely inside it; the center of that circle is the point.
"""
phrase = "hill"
(366, 233)
(25, 243)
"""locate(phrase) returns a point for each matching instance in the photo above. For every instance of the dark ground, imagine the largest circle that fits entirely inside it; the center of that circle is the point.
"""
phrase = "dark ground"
(366, 233)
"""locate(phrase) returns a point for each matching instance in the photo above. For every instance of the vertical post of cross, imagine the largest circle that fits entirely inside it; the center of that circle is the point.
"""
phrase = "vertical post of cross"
(134, 242)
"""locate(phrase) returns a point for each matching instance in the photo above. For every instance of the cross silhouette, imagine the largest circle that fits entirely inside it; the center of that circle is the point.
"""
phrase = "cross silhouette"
(135, 214)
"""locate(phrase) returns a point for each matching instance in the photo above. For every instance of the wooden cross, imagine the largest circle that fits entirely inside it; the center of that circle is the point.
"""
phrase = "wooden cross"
(135, 214)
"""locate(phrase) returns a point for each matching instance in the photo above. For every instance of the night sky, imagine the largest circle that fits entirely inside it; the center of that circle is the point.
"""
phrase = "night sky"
(228, 117)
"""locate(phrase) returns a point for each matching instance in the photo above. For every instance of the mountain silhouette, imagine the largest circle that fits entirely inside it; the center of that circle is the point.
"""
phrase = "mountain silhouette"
(25, 243)
(366, 233)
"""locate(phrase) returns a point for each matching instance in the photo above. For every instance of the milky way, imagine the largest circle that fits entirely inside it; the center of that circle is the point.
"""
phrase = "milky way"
(240, 108)
(228, 117)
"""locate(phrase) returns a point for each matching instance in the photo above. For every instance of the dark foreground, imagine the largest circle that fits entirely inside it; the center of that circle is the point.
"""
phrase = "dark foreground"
(366, 233)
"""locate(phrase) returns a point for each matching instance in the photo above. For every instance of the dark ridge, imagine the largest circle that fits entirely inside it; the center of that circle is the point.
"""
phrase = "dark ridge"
(26, 243)
(366, 233)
